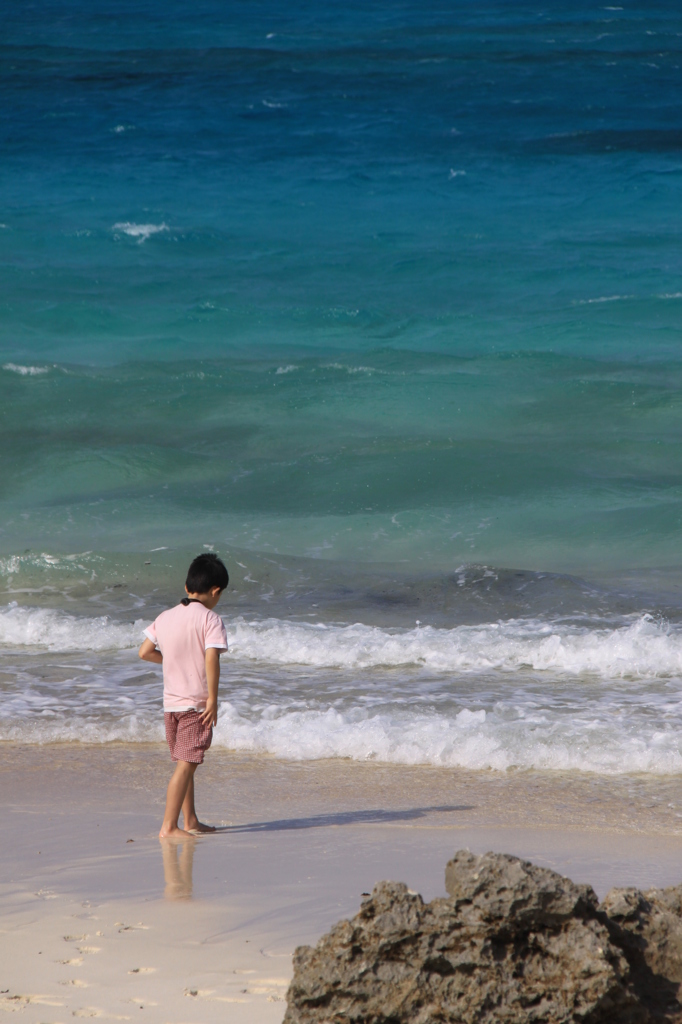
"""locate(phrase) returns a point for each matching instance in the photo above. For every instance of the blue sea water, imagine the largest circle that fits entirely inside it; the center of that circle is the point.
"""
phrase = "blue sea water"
(392, 285)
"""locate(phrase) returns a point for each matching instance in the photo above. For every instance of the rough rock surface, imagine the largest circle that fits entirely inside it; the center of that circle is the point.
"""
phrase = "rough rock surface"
(650, 932)
(512, 944)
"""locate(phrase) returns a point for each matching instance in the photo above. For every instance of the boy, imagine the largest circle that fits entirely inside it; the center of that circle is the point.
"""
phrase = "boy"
(188, 640)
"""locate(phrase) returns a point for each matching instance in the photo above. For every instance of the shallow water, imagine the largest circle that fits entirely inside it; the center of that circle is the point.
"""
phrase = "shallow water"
(499, 670)
(382, 303)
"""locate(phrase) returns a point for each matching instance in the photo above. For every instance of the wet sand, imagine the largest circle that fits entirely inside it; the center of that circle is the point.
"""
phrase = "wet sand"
(94, 924)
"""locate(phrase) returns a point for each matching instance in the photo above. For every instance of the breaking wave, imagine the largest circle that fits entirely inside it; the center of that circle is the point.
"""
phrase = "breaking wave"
(643, 648)
(510, 694)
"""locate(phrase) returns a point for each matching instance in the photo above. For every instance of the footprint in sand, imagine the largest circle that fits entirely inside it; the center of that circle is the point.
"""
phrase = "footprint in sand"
(93, 1011)
(17, 1002)
(89, 949)
(142, 970)
(45, 894)
(76, 961)
(273, 988)
(75, 938)
(209, 993)
(76, 982)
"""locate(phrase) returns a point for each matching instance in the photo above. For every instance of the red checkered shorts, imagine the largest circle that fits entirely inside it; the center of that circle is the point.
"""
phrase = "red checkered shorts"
(188, 738)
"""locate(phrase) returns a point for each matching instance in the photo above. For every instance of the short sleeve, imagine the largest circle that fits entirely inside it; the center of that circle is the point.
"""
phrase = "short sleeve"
(150, 633)
(215, 633)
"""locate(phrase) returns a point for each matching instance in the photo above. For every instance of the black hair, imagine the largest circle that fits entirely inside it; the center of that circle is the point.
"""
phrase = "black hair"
(206, 572)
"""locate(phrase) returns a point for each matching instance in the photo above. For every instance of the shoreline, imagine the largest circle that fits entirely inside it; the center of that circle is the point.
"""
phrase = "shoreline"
(636, 802)
(100, 918)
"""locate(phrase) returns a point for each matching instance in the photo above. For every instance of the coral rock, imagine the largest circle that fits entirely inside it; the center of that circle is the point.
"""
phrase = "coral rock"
(513, 943)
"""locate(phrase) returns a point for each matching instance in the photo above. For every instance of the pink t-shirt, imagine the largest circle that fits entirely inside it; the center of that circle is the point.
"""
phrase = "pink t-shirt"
(183, 634)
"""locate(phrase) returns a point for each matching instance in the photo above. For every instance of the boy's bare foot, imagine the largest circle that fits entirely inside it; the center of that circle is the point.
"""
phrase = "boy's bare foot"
(174, 833)
(199, 826)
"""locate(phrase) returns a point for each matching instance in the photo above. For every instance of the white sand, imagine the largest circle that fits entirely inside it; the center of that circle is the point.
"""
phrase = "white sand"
(94, 925)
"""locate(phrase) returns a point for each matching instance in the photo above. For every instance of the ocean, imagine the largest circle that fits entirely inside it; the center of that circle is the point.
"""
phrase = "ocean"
(381, 302)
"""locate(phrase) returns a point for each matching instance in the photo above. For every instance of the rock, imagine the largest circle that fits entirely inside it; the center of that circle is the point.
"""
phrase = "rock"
(512, 944)
(506, 888)
(650, 927)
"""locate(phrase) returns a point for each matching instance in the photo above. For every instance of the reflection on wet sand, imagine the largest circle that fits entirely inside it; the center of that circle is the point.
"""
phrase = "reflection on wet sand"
(178, 858)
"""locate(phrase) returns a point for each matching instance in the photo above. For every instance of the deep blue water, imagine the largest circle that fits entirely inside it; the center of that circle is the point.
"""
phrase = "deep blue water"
(456, 227)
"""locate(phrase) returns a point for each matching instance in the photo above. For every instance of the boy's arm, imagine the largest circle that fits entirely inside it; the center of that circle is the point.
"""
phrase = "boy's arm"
(148, 652)
(210, 715)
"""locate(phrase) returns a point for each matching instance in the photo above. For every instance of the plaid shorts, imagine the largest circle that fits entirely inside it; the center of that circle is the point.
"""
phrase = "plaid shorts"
(188, 738)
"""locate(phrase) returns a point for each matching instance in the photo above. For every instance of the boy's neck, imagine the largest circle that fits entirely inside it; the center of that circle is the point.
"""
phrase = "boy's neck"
(208, 600)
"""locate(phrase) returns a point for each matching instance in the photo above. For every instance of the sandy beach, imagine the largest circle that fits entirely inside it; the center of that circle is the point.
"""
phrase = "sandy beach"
(100, 919)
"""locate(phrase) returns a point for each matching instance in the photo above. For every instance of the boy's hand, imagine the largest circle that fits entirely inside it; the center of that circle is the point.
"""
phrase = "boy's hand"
(210, 715)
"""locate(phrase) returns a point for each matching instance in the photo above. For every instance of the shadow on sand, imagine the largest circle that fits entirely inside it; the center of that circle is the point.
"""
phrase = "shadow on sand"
(373, 817)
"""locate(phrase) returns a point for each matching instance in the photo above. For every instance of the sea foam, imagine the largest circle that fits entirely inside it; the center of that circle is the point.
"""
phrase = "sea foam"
(475, 740)
(644, 648)
(58, 631)
(517, 693)
(139, 231)
(639, 649)
(25, 371)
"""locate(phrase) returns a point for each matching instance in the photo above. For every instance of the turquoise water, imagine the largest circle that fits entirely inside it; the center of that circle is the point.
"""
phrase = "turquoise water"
(391, 287)
(390, 281)
(529, 460)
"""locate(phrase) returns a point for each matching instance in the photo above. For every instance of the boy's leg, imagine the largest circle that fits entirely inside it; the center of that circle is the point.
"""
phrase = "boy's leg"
(175, 796)
(191, 822)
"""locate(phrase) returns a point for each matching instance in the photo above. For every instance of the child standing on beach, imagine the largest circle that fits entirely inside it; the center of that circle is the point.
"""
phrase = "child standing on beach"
(188, 641)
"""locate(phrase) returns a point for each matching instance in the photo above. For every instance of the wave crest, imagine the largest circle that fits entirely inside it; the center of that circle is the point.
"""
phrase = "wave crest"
(475, 740)
(644, 648)
(57, 631)
(139, 231)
